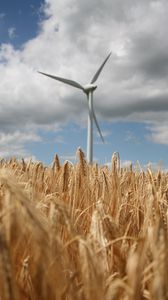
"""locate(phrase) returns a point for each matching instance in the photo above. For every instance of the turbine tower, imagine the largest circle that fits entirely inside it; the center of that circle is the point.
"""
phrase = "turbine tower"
(88, 90)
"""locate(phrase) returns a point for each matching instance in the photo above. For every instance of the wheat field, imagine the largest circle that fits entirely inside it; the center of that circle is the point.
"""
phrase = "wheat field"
(82, 231)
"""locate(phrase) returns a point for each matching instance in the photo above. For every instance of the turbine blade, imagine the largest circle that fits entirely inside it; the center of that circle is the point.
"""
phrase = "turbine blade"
(97, 125)
(100, 69)
(64, 80)
(95, 119)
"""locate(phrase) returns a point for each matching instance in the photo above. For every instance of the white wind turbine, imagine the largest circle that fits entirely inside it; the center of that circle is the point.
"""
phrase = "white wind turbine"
(88, 90)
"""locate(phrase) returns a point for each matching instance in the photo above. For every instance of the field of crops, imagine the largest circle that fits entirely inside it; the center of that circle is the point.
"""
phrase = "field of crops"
(82, 232)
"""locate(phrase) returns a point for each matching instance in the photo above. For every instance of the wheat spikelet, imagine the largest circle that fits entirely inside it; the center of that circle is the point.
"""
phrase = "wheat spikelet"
(25, 281)
(56, 166)
(65, 177)
(82, 162)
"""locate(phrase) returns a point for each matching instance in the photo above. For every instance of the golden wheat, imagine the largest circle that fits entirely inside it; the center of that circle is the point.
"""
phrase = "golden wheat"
(82, 231)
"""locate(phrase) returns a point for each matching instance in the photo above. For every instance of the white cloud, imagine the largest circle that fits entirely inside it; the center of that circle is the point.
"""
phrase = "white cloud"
(2, 16)
(158, 133)
(13, 144)
(105, 133)
(123, 163)
(131, 137)
(60, 140)
(20, 137)
(30, 158)
(12, 33)
(70, 158)
(156, 166)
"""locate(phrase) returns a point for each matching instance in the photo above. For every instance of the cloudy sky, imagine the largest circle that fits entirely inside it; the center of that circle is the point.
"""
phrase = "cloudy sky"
(70, 38)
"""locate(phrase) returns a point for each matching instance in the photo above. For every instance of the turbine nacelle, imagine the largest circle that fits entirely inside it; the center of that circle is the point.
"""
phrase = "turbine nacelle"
(89, 88)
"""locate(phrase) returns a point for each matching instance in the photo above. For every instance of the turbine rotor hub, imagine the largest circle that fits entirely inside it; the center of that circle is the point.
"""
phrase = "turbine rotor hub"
(89, 88)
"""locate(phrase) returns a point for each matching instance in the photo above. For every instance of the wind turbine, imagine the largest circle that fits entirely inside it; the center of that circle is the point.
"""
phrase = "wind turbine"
(88, 90)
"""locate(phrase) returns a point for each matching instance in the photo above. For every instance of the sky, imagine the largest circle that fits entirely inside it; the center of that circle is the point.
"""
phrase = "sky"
(40, 117)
